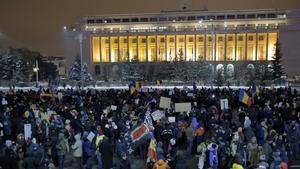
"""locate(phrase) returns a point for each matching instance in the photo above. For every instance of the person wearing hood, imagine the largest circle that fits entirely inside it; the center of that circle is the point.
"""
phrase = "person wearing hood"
(34, 155)
(106, 150)
(213, 157)
(262, 162)
(62, 147)
(77, 151)
(237, 164)
(253, 152)
(88, 151)
(124, 163)
(276, 162)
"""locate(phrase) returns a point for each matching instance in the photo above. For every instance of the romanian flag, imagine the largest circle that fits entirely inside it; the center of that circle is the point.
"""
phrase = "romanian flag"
(138, 84)
(244, 98)
(158, 82)
(152, 155)
(255, 90)
(134, 86)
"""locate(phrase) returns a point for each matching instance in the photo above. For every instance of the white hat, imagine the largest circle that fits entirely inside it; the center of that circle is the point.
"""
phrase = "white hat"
(8, 143)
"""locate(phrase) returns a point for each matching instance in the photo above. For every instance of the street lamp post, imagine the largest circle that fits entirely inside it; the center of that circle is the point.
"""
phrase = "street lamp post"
(36, 70)
(80, 38)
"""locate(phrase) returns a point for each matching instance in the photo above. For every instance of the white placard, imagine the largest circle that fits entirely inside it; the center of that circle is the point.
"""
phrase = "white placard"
(171, 92)
(91, 136)
(183, 107)
(172, 119)
(4, 101)
(59, 95)
(113, 107)
(190, 95)
(145, 90)
(224, 104)
(165, 102)
(27, 131)
(157, 115)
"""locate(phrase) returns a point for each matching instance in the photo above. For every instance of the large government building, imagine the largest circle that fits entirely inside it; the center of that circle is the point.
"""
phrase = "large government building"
(219, 37)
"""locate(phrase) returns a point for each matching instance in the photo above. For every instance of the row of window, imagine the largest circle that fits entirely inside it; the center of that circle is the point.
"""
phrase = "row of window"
(187, 18)
(190, 39)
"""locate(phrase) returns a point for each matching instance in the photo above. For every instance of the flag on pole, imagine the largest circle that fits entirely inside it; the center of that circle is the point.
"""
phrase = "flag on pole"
(254, 90)
(152, 155)
(139, 132)
(134, 86)
(244, 98)
(158, 82)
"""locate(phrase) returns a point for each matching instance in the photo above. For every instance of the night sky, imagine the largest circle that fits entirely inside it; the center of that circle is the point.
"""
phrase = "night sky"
(38, 24)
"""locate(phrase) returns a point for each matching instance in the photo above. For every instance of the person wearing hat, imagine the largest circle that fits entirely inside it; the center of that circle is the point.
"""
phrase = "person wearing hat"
(262, 162)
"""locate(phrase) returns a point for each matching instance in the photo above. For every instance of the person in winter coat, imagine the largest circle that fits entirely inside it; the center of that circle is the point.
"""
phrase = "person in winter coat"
(77, 151)
(161, 164)
(124, 163)
(62, 147)
(276, 162)
(106, 150)
(88, 153)
(201, 152)
(9, 160)
(263, 163)
(253, 152)
(213, 156)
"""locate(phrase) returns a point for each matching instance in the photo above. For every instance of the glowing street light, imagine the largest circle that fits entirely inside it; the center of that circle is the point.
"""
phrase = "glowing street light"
(36, 70)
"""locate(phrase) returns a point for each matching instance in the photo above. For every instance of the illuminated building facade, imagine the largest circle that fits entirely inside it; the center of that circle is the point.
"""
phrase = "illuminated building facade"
(212, 36)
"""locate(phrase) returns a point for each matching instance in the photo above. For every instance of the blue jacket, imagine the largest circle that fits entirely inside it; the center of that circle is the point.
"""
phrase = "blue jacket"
(213, 158)
(88, 148)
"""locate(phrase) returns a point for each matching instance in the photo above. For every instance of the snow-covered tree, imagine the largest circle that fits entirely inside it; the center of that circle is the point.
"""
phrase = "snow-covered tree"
(75, 71)
(132, 71)
(277, 68)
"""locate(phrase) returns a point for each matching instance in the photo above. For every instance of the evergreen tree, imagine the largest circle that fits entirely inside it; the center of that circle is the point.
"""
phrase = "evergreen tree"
(75, 71)
(277, 69)
(204, 71)
(219, 78)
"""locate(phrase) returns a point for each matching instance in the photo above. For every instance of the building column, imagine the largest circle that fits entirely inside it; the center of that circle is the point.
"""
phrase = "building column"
(215, 47)
(246, 46)
(225, 47)
(119, 49)
(166, 48)
(176, 48)
(156, 46)
(100, 46)
(267, 47)
(137, 47)
(256, 45)
(235, 47)
(109, 49)
(128, 54)
(147, 48)
(185, 44)
(195, 47)
(204, 46)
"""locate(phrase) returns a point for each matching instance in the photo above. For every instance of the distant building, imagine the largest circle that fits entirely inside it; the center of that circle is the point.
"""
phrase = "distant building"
(220, 37)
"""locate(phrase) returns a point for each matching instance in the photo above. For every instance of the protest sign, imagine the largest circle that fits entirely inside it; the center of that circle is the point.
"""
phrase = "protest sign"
(165, 102)
(59, 95)
(91, 136)
(4, 101)
(172, 119)
(113, 107)
(224, 104)
(182, 107)
(157, 115)
(27, 131)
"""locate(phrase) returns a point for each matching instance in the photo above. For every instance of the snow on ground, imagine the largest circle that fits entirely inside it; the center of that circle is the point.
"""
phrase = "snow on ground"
(162, 87)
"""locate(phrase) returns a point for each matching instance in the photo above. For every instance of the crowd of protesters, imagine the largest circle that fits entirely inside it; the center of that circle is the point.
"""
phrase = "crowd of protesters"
(82, 125)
